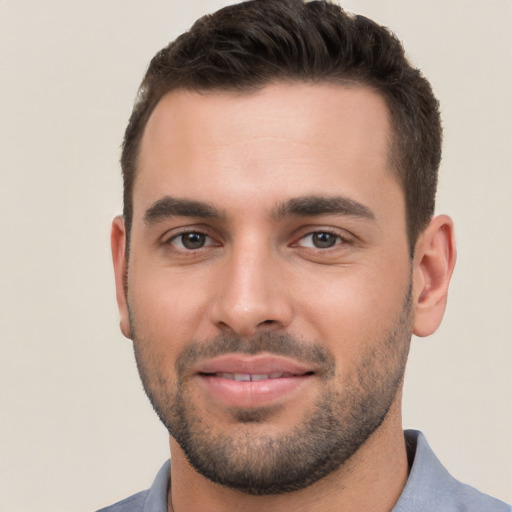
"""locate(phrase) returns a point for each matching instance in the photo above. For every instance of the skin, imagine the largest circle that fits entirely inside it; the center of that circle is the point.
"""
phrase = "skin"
(260, 272)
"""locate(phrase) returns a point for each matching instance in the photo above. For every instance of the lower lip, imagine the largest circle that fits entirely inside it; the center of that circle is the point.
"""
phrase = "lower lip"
(249, 394)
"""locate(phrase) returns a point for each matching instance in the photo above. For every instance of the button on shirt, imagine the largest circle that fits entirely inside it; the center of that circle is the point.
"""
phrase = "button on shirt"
(429, 488)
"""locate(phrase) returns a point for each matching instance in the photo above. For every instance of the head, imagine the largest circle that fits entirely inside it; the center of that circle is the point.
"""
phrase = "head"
(247, 46)
(279, 169)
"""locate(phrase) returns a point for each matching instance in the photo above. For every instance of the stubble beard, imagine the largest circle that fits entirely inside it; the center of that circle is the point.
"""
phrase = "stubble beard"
(339, 423)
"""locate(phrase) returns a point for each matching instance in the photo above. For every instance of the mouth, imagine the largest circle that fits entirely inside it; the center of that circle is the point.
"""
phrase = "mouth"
(252, 381)
(255, 377)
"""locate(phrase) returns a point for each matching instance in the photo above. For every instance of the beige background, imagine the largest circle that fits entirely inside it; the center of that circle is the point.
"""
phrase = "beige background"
(76, 431)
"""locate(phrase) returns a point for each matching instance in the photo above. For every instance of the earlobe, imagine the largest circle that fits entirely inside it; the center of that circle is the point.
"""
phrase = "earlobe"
(118, 245)
(434, 261)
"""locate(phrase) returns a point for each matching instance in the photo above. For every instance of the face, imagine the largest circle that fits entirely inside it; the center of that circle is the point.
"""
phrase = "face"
(269, 281)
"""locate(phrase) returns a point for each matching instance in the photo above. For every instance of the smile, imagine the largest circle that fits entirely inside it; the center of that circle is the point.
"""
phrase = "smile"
(248, 377)
(243, 381)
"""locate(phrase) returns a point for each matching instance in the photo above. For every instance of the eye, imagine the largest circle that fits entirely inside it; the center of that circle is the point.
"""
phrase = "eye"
(320, 240)
(191, 240)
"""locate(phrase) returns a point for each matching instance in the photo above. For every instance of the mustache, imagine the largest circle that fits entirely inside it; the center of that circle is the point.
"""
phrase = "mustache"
(273, 343)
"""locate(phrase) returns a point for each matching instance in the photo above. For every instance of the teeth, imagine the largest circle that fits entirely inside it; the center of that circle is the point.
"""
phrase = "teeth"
(247, 377)
(259, 377)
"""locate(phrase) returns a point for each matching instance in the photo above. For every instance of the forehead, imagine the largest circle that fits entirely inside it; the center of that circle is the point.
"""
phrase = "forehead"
(292, 139)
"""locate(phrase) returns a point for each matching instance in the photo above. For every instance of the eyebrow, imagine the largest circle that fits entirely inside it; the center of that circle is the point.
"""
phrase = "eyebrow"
(310, 206)
(176, 207)
(306, 206)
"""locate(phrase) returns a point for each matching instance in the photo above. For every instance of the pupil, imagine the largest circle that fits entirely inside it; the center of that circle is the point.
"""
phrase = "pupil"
(193, 240)
(324, 240)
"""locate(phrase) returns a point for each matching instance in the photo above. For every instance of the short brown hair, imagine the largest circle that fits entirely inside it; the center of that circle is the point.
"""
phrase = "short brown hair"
(248, 45)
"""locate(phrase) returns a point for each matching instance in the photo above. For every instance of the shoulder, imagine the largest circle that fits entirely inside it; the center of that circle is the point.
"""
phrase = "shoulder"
(134, 503)
(152, 500)
(431, 487)
(476, 501)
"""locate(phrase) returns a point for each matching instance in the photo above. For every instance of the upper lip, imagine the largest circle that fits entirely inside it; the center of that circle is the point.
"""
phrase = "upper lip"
(248, 364)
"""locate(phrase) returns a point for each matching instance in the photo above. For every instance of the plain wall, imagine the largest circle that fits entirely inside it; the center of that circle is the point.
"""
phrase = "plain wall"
(76, 430)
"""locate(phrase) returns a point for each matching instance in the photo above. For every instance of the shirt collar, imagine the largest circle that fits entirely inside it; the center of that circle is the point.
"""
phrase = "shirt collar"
(156, 500)
(429, 486)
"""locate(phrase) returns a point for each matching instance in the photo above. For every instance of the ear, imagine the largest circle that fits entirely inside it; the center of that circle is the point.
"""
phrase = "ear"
(433, 265)
(118, 244)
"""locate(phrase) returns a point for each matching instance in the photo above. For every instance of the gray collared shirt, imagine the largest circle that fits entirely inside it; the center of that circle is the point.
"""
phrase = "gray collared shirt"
(429, 488)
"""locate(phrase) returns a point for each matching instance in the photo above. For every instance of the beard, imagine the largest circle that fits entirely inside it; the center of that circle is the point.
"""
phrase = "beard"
(249, 457)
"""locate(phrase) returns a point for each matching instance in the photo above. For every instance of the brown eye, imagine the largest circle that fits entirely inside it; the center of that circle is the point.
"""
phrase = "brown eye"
(324, 240)
(191, 240)
(320, 240)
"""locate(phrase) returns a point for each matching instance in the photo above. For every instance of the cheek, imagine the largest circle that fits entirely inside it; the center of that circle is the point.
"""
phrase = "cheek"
(353, 309)
(167, 309)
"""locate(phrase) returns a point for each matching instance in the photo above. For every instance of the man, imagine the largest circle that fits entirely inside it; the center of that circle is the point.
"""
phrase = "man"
(276, 253)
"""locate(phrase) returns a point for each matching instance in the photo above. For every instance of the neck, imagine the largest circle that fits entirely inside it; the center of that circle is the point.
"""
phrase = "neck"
(370, 481)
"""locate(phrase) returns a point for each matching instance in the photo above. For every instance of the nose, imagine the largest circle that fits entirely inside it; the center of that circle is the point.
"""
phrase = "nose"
(252, 295)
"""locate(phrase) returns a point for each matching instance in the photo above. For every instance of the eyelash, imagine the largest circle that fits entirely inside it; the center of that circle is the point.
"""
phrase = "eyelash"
(339, 240)
(169, 241)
